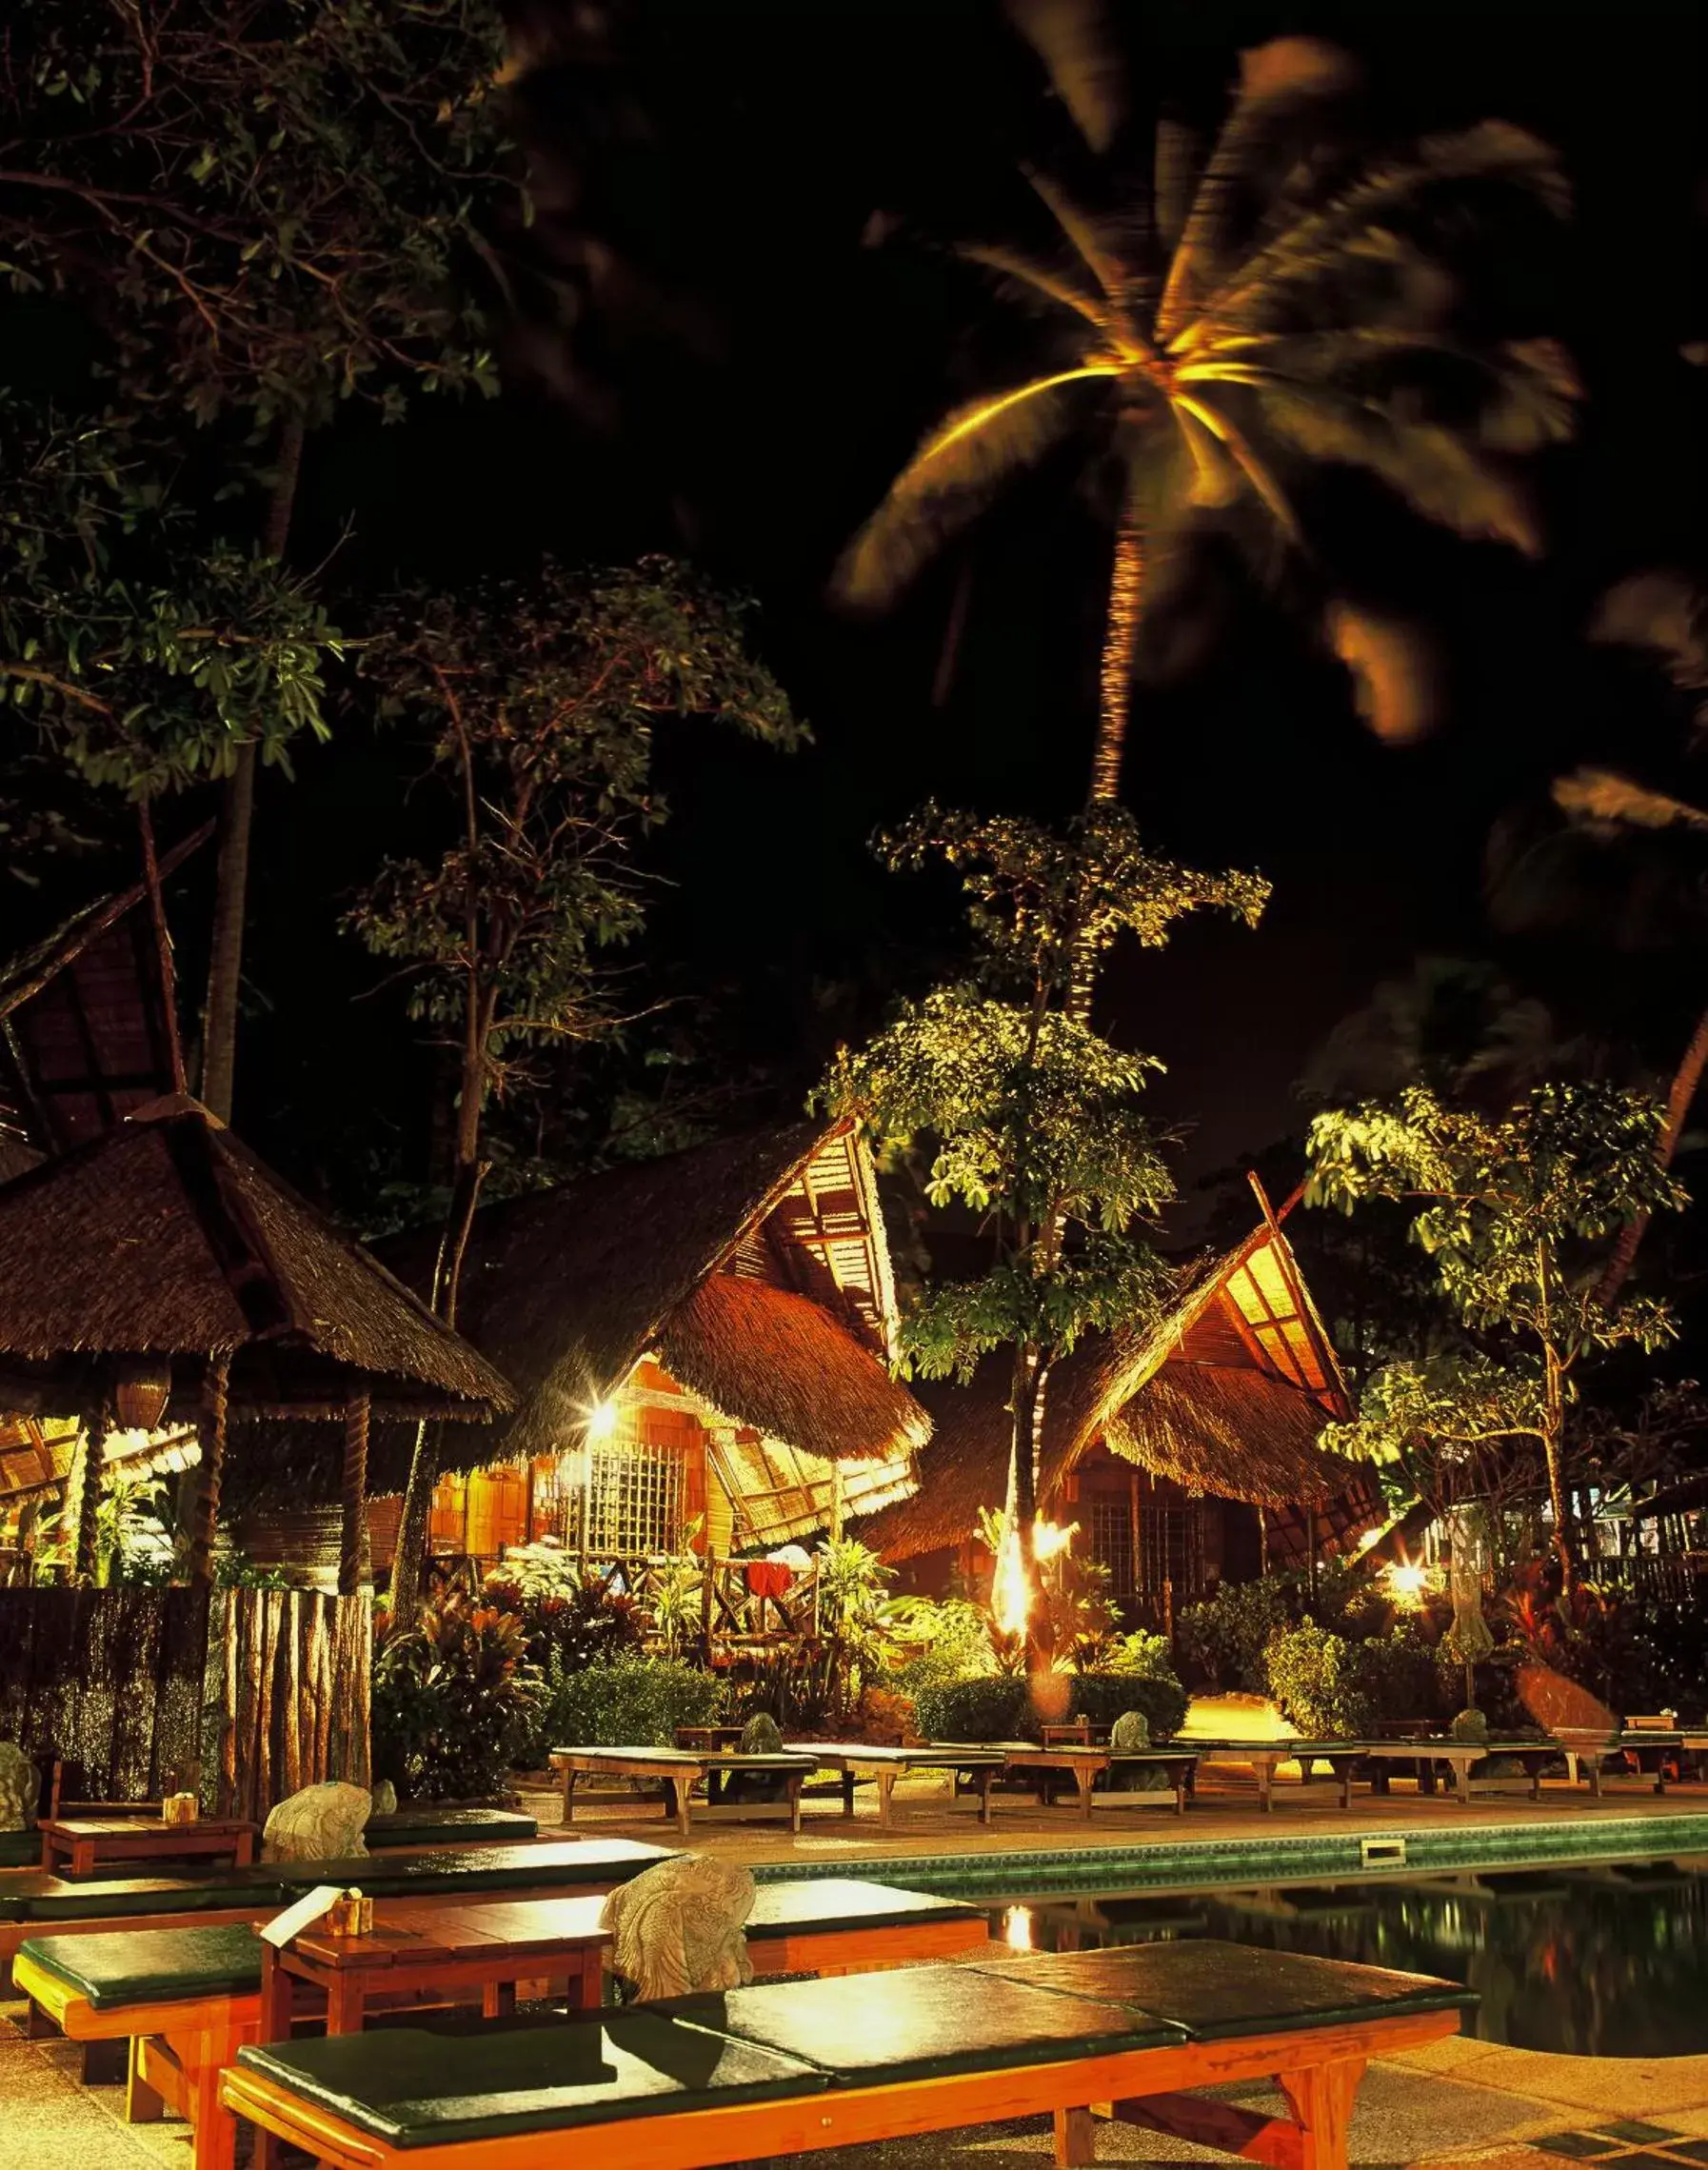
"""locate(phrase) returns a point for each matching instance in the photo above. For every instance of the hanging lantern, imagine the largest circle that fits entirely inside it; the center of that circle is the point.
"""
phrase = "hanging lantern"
(141, 1390)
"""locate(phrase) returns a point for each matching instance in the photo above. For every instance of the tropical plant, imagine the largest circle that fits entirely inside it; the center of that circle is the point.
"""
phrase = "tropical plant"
(537, 705)
(266, 209)
(1627, 864)
(1035, 1121)
(568, 1614)
(1224, 1637)
(631, 1700)
(1512, 1210)
(1225, 327)
(453, 1700)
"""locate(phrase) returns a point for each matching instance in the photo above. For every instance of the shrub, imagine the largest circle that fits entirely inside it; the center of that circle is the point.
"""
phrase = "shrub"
(566, 1613)
(1223, 1641)
(629, 1702)
(1314, 1675)
(1140, 1654)
(997, 1706)
(453, 1700)
(1102, 1696)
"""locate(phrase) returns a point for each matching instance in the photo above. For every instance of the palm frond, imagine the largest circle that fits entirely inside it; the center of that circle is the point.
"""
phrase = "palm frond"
(1275, 81)
(1100, 257)
(1174, 172)
(1310, 255)
(1442, 473)
(1602, 797)
(1664, 613)
(1072, 39)
(955, 471)
(1035, 279)
(1393, 667)
(1257, 470)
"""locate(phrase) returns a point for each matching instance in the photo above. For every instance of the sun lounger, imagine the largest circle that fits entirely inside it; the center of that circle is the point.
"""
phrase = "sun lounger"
(782, 2068)
(857, 1759)
(1087, 1764)
(184, 1998)
(428, 1826)
(682, 1770)
(1345, 1758)
(38, 1904)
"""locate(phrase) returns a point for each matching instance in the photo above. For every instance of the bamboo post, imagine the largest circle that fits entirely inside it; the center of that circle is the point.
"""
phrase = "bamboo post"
(352, 1541)
(836, 1503)
(213, 1463)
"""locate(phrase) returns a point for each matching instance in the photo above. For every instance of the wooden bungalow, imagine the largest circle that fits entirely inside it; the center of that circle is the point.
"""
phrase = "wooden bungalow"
(701, 1346)
(1186, 1454)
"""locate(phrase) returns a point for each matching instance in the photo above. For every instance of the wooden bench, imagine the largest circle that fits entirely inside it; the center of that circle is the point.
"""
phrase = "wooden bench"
(854, 1760)
(1087, 1764)
(1345, 1759)
(783, 2068)
(186, 1999)
(682, 1770)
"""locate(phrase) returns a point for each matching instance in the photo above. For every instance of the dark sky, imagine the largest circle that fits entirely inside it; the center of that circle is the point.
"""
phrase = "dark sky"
(744, 383)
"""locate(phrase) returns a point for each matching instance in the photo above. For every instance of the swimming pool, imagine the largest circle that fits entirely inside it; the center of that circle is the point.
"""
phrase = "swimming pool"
(1610, 1961)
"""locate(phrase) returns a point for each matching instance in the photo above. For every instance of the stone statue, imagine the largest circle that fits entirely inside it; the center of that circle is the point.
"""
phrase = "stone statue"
(385, 1799)
(761, 1735)
(1471, 1724)
(1130, 1733)
(678, 1927)
(322, 1822)
(20, 1788)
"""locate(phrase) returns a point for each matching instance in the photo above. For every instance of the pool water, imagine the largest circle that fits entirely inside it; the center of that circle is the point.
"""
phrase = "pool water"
(1603, 1961)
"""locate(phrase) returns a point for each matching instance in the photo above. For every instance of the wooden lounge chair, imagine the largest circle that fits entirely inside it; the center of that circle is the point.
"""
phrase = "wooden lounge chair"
(682, 1770)
(37, 1905)
(1087, 1765)
(782, 2068)
(980, 1762)
(185, 1999)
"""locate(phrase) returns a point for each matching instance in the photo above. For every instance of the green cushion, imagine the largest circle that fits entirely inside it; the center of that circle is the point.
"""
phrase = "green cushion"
(146, 1966)
(1214, 1989)
(449, 1826)
(20, 1849)
(99, 1899)
(844, 1903)
(569, 1864)
(420, 2088)
(918, 2023)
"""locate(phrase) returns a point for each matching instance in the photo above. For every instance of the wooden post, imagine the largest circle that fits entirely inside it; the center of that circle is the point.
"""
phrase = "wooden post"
(82, 1496)
(353, 1565)
(708, 1573)
(836, 1503)
(213, 1463)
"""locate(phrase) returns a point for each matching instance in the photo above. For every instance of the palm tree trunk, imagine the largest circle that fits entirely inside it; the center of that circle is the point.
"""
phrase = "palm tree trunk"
(1686, 1080)
(224, 965)
(1121, 641)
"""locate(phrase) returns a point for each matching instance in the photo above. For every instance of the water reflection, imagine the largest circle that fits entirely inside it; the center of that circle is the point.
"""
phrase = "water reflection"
(1604, 1961)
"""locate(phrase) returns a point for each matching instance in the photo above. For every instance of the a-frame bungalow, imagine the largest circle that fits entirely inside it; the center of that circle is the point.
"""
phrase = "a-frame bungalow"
(1186, 1453)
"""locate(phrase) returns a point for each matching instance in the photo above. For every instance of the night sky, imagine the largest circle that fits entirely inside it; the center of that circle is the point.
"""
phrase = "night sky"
(745, 382)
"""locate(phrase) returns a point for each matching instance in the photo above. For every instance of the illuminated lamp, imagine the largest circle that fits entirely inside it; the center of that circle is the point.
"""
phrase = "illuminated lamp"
(602, 1422)
(1407, 1581)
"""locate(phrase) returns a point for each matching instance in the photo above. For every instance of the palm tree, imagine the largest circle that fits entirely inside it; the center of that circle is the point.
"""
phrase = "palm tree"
(1227, 328)
(1631, 861)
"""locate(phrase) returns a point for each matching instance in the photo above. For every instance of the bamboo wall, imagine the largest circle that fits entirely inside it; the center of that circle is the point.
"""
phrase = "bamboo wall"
(286, 1696)
(108, 1681)
(267, 1689)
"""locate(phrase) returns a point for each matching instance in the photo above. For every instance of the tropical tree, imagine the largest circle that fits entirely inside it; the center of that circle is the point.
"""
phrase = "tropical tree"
(1514, 1209)
(1030, 1119)
(1222, 328)
(538, 706)
(266, 207)
(1629, 863)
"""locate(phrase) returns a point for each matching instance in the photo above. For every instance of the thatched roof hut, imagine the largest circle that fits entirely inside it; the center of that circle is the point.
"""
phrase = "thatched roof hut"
(1225, 1395)
(165, 1257)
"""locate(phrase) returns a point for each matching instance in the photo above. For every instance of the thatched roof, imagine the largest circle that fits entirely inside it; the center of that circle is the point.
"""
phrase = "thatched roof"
(1226, 1394)
(778, 1362)
(169, 1237)
(566, 1289)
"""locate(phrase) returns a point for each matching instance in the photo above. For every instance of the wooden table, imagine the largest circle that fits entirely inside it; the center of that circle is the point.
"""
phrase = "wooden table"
(85, 1843)
(856, 1760)
(681, 1769)
(1088, 1765)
